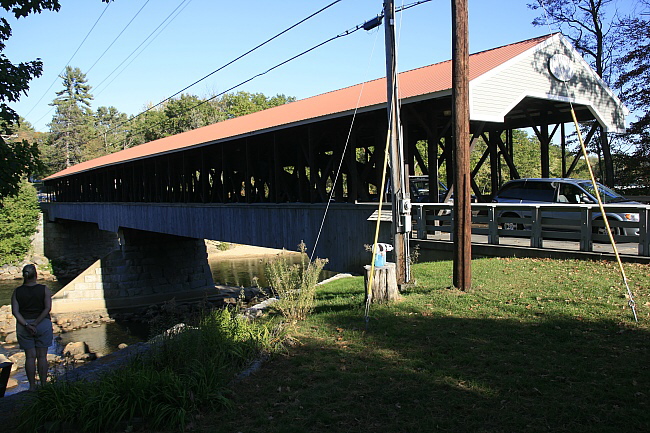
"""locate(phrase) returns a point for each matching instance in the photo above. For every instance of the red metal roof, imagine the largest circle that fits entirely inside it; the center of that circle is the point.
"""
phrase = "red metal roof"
(416, 82)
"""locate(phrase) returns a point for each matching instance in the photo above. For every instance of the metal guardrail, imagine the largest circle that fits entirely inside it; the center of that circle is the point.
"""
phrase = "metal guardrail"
(537, 223)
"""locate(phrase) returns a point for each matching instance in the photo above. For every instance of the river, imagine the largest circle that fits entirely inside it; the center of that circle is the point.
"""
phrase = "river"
(227, 269)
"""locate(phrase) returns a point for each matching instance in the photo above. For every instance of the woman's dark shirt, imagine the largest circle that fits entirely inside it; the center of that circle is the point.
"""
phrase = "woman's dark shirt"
(31, 300)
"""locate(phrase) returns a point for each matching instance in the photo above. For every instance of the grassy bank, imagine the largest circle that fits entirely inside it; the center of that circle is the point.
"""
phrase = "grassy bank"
(536, 346)
(185, 370)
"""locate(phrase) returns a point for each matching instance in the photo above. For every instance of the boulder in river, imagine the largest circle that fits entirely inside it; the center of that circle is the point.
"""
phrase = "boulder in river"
(11, 338)
(75, 348)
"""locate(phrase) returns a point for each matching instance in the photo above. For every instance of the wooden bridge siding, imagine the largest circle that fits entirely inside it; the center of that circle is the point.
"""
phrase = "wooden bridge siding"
(345, 231)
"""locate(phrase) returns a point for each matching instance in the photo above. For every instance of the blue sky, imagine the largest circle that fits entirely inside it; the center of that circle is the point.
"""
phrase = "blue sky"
(206, 34)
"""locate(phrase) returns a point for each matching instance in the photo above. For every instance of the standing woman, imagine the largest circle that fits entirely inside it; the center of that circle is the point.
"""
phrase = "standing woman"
(31, 304)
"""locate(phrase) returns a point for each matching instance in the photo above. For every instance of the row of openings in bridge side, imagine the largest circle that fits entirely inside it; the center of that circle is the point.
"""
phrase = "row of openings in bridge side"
(265, 174)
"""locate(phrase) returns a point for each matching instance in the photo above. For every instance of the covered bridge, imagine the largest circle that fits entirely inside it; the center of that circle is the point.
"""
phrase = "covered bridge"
(290, 153)
(267, 176)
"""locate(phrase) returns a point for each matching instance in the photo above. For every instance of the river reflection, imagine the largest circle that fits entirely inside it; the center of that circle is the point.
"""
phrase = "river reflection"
(247, 272)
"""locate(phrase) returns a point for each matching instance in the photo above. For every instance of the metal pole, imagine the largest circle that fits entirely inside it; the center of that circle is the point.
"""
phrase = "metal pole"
(400, 197)
(462, 199)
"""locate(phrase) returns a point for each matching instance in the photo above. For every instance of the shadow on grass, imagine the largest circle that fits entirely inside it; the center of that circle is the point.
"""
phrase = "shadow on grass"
(501, 375)
(416, 373)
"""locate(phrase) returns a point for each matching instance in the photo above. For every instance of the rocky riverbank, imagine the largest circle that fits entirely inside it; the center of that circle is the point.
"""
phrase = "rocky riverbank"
(158, 318)
(15, 271)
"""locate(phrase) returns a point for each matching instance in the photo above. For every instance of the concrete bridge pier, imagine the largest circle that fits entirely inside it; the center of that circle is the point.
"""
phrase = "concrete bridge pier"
(146, 268)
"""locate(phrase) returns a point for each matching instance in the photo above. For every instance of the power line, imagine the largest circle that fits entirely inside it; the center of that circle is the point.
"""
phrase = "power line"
(231, 62)
(118, 36)
(184, 3)
(345, 33)
(340, 35)
(166, 22)
(100, 57)
(68, 62)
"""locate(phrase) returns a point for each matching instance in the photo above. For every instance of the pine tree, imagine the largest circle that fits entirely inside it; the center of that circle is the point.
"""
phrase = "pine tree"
(72, 123)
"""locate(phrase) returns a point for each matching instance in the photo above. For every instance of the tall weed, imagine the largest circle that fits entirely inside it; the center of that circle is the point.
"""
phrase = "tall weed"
(295, 284)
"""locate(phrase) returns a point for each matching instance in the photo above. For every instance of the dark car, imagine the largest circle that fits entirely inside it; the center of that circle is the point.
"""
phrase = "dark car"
(419, 188)
(563, 191)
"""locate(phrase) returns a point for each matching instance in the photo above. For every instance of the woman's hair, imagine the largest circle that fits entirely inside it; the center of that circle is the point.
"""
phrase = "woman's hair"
(29, 272)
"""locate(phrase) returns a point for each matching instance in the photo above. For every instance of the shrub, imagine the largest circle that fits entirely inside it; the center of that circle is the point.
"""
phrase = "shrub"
(18, 221)
(295, 284)
(224, 246)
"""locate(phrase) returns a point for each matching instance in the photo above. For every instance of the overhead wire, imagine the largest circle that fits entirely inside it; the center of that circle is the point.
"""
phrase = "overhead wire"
(144, 48)
(229, 63)
(118, 36)
(251, 51)
(345, 147)
(205, 101)
(68, 62)
(105, 51)
(164, 22)
(375, 244)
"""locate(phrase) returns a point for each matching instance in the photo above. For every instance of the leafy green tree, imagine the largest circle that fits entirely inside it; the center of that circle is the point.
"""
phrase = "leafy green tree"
(242, 103)
(635, 84)
(72, 123)
(18, 220)
(146, 127)
(18, 158)
(22, 133)
(525, 150)
(109, 126)
(189, 112)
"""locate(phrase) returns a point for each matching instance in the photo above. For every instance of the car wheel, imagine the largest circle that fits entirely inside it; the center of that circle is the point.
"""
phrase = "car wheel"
(510, 226)
(616, 231)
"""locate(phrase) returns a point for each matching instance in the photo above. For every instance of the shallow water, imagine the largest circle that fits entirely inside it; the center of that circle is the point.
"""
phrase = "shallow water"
(104, 338)
(247, 272)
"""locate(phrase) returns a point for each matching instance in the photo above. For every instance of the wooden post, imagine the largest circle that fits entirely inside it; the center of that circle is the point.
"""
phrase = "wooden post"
(462, 199)
(400, 196)
(384, 284)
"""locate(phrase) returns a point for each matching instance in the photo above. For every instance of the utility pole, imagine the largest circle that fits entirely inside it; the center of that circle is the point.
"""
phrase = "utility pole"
(401, 202)
(460, 95)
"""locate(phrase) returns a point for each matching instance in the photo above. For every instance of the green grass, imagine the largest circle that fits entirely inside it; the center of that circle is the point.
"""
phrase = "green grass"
(535, 346)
